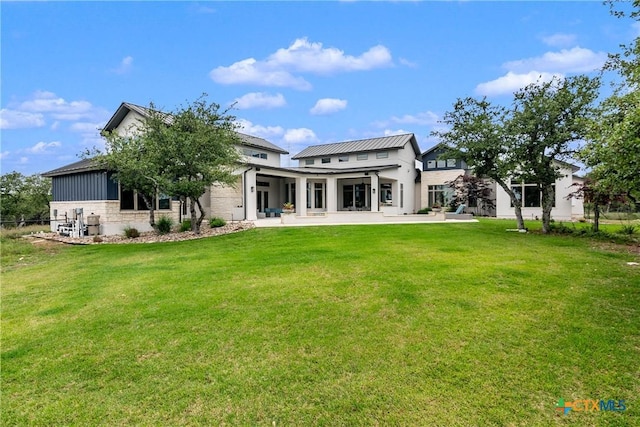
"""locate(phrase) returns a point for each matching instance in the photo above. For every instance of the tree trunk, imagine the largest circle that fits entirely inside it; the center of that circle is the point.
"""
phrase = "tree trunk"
(195, 226)
(202, 214)
(517, 204)
(152, 215)
(547, 204)
(596, 217)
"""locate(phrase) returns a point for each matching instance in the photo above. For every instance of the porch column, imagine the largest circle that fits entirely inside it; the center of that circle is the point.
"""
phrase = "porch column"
(375, 190)
(301, 196)
(250, 200)
(332, 194)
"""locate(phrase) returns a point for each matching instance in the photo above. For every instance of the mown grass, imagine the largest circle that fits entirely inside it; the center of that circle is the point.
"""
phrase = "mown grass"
(452, 324)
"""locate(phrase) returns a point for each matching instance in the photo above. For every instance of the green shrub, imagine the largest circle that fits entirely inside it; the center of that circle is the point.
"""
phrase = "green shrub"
(131, 232)
(186, 225)
(217, 222)
(628, 229)
(164, 224)
(424, 211)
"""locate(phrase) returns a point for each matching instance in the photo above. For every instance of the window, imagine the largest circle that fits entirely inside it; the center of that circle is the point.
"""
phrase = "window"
(451, 163)
(386, 196)
(343, 159)
(362, 156)
(263, 183)
(253, 153)
(382, 155)
(326, 160)
(309, 161)
(133, 201)
(431, 164)
(442, 164)
(318, 195)
(439, 194)
(529, 196)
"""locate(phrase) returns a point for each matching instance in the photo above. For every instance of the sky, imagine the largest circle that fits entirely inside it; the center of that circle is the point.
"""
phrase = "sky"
(296, 73)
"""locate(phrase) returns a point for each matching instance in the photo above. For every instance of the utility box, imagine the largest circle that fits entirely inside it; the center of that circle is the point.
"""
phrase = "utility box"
(93, 225)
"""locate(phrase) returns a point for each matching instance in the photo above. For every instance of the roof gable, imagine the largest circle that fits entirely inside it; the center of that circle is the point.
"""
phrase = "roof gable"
(125, 108)
(362, 145)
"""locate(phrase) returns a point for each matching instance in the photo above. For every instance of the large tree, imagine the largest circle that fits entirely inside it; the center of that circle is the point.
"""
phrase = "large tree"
(198, 149)
(476, 133)
(548, 122)
(613, 150)
(135, 159)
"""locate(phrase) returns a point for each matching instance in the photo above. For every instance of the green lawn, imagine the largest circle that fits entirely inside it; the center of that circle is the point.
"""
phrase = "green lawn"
(417, 324)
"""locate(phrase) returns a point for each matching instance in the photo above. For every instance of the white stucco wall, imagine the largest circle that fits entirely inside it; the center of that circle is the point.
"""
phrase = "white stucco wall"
(563, 209)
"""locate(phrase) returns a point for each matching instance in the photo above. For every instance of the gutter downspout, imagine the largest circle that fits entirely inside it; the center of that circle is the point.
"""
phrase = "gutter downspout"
(378, 191)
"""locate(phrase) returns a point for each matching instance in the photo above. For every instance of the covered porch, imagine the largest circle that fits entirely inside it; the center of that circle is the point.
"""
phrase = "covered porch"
(320, 192)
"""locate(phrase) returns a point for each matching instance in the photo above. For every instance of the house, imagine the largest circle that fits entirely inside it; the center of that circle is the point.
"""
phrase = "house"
(438, 172)
(373, 177)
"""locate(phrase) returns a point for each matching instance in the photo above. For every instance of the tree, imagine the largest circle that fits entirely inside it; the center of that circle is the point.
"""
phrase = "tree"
(548, 120)
(198, 149)
(24, 198)
(477, 135)
(614, 135)
(471, 191)
(597, 194)
(135, 157)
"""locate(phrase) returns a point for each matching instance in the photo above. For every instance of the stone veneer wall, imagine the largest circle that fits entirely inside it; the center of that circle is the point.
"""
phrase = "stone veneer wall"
(225, 200)
(112, 219)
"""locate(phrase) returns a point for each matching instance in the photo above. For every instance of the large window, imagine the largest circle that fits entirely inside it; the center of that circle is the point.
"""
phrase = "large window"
(309, 161)
(362, 156)
(253, 153)
(382, 155)
(439, 195)
(529, 196)
(132, 201)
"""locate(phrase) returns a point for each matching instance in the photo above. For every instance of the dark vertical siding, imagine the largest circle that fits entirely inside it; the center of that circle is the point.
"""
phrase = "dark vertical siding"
(84, 186)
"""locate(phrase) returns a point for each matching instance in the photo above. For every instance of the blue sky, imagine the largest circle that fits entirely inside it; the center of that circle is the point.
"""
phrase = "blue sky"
(301, 73)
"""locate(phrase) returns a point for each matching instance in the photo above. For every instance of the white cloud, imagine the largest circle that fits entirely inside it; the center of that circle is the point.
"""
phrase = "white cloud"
(59, 108)
(559, 39)
(407, 63)
(301, 56)
(260, 100)
(523, 72)
(13, 119)
(125, 66)
(249, 71)
(574, 60)
(266, 132)
(328, 106)
(300, 135)
(424, 119)
(23, 160)
(511, 82)
(311, 57)
(43, 147)
(4, 154)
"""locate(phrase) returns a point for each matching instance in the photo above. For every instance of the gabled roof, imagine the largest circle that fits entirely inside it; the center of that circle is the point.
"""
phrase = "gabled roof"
(126, 107)
(359, 146)
(84, 165)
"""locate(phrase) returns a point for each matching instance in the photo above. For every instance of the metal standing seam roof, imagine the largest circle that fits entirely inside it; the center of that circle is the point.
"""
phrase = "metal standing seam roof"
(348, 147)
(125, 107)
(84, 165)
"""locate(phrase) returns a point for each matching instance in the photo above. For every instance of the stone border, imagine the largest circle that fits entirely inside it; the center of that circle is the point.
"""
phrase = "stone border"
(150, 237)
